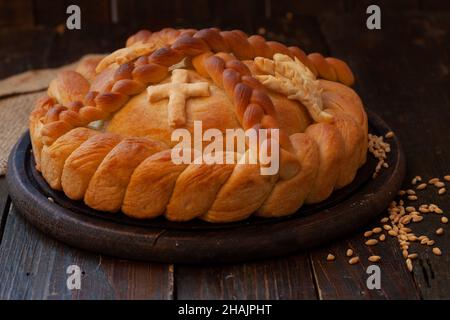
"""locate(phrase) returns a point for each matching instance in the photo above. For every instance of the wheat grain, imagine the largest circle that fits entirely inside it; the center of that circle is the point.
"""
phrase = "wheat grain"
(330, 257)
(409, 265)
(421, 186)
(374, 258)
(389, 135)
(371, 242)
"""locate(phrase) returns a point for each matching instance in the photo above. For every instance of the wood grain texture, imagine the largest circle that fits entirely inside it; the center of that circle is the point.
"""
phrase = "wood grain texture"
(53, 13)
(5, 202)
(33, 266)
(287, 278)
(19, 52)
(295, 30)
(236, 14)
(71, 45)
(16, 13)
(402, 74)
(49, 13)
(340, 280)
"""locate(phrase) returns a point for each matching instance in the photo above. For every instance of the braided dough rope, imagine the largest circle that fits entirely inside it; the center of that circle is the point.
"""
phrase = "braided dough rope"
(79, 161)
(172, 46)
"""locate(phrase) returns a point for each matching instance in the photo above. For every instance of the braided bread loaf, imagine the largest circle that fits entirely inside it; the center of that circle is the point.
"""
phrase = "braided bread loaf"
(102, 133)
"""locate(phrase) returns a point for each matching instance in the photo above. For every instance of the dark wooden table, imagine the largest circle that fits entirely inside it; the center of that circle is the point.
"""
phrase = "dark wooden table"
(402, 73)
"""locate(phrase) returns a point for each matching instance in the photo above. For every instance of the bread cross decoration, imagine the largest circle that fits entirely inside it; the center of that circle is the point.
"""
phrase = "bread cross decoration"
(293, 79)
(178, 91)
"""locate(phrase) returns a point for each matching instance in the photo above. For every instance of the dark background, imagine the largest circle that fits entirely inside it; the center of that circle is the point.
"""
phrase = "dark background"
(402, 73)
(38, 25)
(159, 13)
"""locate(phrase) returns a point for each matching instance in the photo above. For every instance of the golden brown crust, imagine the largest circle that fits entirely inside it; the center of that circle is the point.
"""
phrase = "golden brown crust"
(242, 194)
(35, 126)
(54, 157)
(69, 86)
(108, 185)
(81, 165)
(289, 195)
(353, 138)
(151, 186)
(87, 66)
(331, 156)
(196, 189)
(127, 167)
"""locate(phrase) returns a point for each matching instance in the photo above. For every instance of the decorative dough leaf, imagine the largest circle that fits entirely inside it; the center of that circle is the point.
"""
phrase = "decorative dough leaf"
(293, 79)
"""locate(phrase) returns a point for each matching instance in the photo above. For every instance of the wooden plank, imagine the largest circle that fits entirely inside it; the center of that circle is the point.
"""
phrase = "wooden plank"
(340, 280)
(152, 15)
(312, 8)
(28, 53)
(235, 14)
(402, 74)
(297, 30)
(434, 5)
(4, 205)
(49, 13)
(55, 49)
(433, 272)
(288, 278)
(126, 13)
(386, 6)
(33, 266)
(16, 13)
(94, 13)
(71, 45)
(320, 8)
(197, 11)
(53, 13)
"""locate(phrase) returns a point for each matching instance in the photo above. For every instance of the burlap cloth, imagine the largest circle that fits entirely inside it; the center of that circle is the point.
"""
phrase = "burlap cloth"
(18, 94)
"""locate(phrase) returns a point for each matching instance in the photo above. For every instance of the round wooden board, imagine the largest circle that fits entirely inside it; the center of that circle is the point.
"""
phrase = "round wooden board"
(200, 242)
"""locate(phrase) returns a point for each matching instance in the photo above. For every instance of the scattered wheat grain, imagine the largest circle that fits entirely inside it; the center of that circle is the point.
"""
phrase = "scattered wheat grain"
(330, 257)
(371, 242)
(409, 265)
(437, 251)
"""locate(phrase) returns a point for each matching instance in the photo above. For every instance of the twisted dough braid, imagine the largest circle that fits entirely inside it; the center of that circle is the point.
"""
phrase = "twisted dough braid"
(79, 160)
(132, 77)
